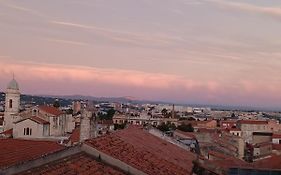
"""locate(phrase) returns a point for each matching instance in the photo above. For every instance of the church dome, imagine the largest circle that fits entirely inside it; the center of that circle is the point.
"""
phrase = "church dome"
(13, 85)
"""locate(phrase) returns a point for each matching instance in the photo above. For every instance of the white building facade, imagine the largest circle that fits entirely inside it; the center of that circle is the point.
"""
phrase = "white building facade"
(12, 105)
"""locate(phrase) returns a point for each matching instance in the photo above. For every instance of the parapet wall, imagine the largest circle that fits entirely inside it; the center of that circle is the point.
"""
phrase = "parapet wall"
(110, 160)
(40, 161)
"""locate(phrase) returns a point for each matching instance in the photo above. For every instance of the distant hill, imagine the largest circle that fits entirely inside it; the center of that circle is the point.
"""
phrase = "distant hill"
(66, 100)
(127, 99)
(38, 100)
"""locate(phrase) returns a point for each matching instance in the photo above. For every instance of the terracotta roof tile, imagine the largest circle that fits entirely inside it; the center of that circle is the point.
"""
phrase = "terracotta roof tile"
(186, 134)
(272, 162)
(234, 129)
(276, 146)
(75, 136)
(39, 120)
(7, 132)
(14, 151)
(145, 152)
(35, 119)
(80, 163)
(276, 136)
(51, 110)
(253, 122)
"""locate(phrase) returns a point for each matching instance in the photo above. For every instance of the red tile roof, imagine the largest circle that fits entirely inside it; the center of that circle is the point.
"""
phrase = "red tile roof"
(273, 162)
(276, 136)
(234, 129)
(185, 134)
(80, 163)
(14, 151)
(145, 152)
(75, 136)
(222, 164)
(229, 121)
(8, 132)
(35, 119)
(218, 155)
(276, 147)
(258, 145)
(206, 130)
(51, 110)
(39, 120)
(253, 122)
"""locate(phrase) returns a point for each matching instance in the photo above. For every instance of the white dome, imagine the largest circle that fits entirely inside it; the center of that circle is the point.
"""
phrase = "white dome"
(13, 85)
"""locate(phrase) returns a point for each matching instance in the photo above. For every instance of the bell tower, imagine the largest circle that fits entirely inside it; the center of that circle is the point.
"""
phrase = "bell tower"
(12, 104)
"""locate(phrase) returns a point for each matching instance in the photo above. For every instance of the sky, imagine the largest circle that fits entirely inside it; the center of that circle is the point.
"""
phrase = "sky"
(225, 52)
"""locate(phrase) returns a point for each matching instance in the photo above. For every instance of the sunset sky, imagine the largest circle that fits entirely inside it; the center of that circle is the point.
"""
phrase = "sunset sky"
(184, 51)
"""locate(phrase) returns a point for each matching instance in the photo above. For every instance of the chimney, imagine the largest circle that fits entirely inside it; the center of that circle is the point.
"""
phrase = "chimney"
(173, 111)
(85, 125)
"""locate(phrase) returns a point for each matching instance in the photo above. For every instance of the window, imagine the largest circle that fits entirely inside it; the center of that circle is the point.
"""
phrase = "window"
(55, 120)
(10, 103)
(27, 131)
(34, 112)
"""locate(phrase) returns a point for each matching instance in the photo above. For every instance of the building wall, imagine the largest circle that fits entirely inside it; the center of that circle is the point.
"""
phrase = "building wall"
(261, 139)
(10, 113)
(228, 124)
(57, 125)
(236, 133)
(13, 95)
(248, 129)
(70, 123)
(276, 140)
(274, 125)
(263, 151)
(85, 125)
(37, 129)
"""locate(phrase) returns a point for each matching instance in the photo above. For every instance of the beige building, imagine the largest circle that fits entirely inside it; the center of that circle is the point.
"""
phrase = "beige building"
(12, 105)
(235, 131)
(142, 119)
(262, 149)
(32, 127)
(36, 122)
(248, 127)
(43, 121)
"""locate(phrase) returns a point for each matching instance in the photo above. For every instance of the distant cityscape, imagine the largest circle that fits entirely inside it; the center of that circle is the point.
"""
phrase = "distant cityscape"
(126, 137)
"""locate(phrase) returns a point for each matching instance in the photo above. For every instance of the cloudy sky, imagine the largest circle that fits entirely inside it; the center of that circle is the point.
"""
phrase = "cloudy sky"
(185, 51)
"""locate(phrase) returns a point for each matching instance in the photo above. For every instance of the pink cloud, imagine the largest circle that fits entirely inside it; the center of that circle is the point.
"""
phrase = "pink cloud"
(66, 80)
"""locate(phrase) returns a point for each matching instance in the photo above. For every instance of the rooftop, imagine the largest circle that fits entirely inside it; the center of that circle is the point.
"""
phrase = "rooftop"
(185, 134)
(273, 162)
(145, 152)
(276, 136)
(8, 132)
(51, 110)
(15, 151)
(253, 122)
(80, 163)
(35, 119)
(75, 136)
(13, 84)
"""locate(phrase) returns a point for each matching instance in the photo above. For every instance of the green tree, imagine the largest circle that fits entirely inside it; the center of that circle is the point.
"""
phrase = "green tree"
(164, 127)
(164, 112)
(108, 116)
(186, 127)
(56, 103)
